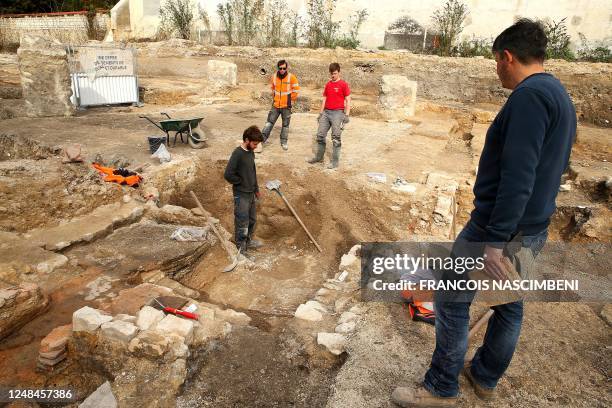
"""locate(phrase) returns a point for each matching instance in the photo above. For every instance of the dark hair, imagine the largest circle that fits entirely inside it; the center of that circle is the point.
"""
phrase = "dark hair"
(334, 66)
(253, 134)
(525, 39)
(281, 62)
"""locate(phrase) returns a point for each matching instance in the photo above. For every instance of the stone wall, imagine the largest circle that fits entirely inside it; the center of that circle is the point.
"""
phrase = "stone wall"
(45, 77)
(70, 28)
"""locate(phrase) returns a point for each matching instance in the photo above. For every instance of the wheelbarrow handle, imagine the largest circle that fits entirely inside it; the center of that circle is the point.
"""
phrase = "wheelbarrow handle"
(164, 113)
(152, 121)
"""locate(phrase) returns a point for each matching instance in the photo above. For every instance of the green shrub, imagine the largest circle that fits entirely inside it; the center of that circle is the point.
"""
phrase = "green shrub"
(176, 17)
(594, 52)
(475, 47)
(558, 40)
(448, 23)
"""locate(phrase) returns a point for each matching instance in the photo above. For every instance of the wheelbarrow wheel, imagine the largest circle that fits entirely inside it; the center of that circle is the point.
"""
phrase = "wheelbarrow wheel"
(197, 140)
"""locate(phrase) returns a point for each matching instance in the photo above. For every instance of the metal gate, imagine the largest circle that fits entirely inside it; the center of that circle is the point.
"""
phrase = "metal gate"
(102, 75)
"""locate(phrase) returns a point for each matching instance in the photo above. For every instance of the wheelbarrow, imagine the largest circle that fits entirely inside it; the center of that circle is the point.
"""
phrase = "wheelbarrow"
(189, 128)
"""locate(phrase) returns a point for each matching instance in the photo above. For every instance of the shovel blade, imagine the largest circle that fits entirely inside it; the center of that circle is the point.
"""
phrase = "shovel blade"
(233, 265)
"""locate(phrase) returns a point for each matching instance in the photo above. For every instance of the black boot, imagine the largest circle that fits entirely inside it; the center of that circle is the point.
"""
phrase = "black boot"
(335, 158)
(318, 157)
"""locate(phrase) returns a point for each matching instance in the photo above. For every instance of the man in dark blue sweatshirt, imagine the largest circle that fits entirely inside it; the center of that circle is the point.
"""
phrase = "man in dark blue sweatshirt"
(526, 150)
(241, 173)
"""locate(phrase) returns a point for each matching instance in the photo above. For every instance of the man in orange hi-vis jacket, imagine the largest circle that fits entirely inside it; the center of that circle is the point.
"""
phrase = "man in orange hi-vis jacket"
(285, 89)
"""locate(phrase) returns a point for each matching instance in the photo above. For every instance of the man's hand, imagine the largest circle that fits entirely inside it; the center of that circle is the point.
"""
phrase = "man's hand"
(319, 117)
(346, 119)
(494, 266)
(257, 195)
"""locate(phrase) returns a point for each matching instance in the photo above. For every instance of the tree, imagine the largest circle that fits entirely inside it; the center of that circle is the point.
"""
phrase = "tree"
(406, 25)
(448, 22)
(241, 19)
(176, 16)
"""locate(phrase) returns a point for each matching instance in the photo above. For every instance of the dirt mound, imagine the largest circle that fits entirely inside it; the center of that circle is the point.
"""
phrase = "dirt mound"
(14, 147)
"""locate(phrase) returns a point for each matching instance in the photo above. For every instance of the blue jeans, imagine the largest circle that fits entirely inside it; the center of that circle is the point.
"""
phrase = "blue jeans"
(452, 326)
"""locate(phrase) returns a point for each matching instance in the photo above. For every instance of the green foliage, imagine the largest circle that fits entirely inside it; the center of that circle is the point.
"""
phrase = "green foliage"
(594, 52)
(448, 22)
(558, 40)
(176, 17)
(321, 30)
(296, 29)
(274, 18)
(227, 20)
(241, 20)
(355, 23)
(475, 47)
(406, 25)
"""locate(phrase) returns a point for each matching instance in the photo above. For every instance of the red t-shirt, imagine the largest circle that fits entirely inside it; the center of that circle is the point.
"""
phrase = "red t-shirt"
(334, 94)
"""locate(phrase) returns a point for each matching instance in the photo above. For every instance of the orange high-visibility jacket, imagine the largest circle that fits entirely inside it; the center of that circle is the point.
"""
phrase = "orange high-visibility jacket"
(285, 90)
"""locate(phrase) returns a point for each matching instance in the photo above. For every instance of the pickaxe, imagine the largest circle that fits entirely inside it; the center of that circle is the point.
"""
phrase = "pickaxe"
(275, 185)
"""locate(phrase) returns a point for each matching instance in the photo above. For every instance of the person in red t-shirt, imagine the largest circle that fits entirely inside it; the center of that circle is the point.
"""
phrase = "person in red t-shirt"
(334, 114)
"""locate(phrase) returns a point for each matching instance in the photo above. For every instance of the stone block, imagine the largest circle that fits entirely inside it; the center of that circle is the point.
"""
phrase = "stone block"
(88, 319)
(102, 397)
(147, 317)
(176, 325)
(397, 97)
(149, 343)
(222, 74)
(311, 311)
(334, 342)
(45, 77)
(345, 328)
(50, 362)
(119, 331)
(56, 340)
(347, 317)
(233, 317)
(125, 318)
(19, 305)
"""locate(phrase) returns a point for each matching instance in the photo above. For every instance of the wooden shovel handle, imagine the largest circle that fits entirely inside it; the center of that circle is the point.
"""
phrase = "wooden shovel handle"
(212, 226)
(314, 241)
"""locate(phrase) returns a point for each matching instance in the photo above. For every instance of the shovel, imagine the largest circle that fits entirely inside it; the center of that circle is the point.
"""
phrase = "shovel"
(275, 185)
(235, 260)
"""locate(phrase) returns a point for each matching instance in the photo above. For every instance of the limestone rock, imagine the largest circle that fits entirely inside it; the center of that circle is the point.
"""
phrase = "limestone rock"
(397, 97)
(345, 328)
(334, 342)
(148, 316)
(347, 317)
(119, 330)
(125, 318)
(88, 319)
(222, 74)
(347, 260)
(45, 77)
(311, 311)
(233, 317)
(149, 343)
(102, 397)
(19, 305)
(176, 325)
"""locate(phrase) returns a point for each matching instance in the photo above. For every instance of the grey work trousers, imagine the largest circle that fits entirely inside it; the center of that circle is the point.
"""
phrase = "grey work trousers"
(285, 114)
(245, 217)
(331, 119)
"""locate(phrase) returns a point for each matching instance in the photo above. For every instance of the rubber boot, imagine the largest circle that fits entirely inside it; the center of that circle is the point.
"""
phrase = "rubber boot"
(335, 158)
(318, 157)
